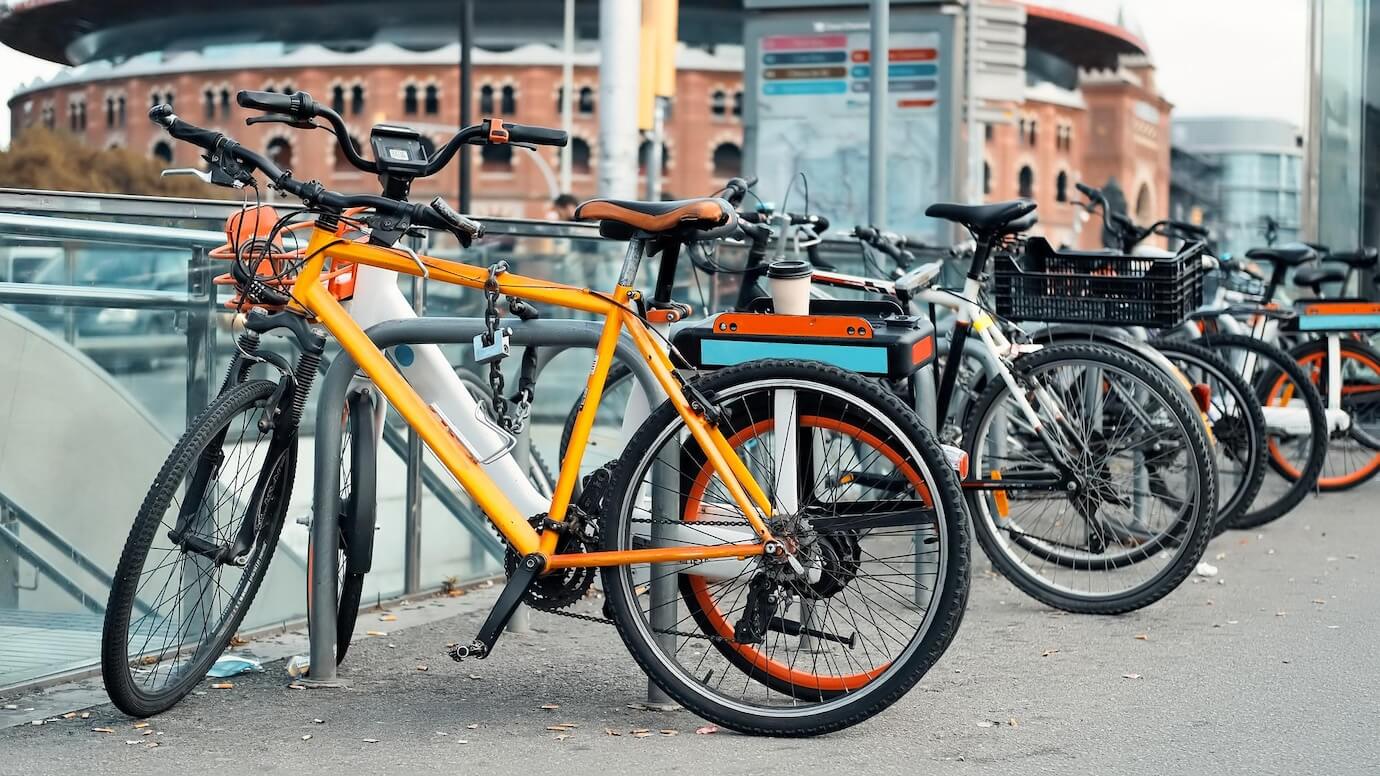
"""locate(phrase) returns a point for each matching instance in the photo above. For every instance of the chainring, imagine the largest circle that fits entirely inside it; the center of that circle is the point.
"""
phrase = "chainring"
(562, 587)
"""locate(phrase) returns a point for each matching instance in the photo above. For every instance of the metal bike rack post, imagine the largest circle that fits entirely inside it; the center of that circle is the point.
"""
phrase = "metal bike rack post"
(663, 594)
(330, 406)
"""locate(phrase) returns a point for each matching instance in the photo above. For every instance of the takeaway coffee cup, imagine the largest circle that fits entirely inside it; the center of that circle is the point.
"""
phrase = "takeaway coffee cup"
(789, 283)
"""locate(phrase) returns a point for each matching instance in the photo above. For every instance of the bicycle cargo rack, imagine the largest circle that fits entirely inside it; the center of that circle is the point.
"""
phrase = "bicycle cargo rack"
(1042, 284)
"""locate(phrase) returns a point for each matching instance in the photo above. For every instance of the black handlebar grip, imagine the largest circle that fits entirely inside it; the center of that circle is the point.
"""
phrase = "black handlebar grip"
(298, 105)
(163, 116)
(454, 221)
(1088, 191)
(519, 133)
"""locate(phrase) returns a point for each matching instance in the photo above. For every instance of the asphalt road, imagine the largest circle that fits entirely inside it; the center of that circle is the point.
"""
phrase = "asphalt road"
(1269, 668)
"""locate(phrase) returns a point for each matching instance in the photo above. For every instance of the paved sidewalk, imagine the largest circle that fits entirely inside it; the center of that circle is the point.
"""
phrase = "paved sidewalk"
(1273, 670)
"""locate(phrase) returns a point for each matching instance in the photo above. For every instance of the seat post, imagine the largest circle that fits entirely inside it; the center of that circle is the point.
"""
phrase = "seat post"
(632, 260)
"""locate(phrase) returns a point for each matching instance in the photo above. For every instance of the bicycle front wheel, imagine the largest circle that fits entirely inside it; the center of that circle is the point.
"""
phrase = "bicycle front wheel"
(1102, 502)
(197, 551)
(1353, 457)
(862, 497)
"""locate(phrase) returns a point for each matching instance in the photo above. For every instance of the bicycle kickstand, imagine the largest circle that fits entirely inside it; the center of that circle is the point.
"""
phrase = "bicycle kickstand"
(508, 601)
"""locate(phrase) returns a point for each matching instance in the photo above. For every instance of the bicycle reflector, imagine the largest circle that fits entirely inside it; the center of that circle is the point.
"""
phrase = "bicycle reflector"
(1202, 396)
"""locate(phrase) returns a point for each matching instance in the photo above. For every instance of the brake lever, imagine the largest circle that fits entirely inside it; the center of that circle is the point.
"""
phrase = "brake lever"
(281, 118)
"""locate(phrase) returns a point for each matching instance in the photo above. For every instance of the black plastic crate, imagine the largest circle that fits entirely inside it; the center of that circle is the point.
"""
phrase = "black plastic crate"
(1042, 284)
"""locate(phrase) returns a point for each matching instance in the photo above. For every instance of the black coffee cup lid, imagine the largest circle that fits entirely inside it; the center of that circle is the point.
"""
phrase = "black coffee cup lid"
(789, 269)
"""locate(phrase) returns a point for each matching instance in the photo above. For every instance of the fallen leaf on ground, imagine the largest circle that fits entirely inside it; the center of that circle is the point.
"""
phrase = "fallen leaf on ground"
(635, 731)
(70, 715)
(669, 732)
(1049, 652)
(375, 633)
(388, 617)
(551, 706)
(318, 722)
(1012, 722)
(611, 732)
(238, 641)
(1319, 601)
(306, 737)
(223, 686)
(473, 726)
(102, 730)
(86, 715)
(643, 734)
(138, 725)
(1142, 637)
(421, 668)
(707, 730)
(1130, 676)
(370, 740)
(562, 736)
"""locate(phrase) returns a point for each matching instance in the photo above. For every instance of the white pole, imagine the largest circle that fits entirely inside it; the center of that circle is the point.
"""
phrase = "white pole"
(567, 91)
(620, 38)
(975, 144)
(876, 178)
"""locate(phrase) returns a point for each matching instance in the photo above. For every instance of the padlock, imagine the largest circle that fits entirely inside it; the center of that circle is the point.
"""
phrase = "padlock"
(484, 352)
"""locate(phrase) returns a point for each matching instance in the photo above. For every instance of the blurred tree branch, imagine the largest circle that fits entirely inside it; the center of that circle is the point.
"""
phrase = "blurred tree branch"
(41, 158)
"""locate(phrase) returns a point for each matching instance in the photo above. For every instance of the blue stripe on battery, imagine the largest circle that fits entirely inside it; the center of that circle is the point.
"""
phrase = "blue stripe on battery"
(852, 357)
(1339, 322)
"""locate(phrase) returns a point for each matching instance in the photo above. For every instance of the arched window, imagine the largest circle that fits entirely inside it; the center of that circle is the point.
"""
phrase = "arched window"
(162, 151)
(738, 103)
(109, 112)
(642, 151)
(357, 99)
(280, 151)
(718, 102)
(579, 156)
(560, 100)
(728, 160)
(433, 100)
(1144, 207)
(986, 178)
(168, 98)
(509, 105)
(340, 161)
(410, 99)
(287, 89)
(224, 102)
(1032, 133)
(486, 100)
(338, 99)
(209, 103)
(496, 158)
(120, 110)
(1061, 187)
(586, 105)
(1026, 182)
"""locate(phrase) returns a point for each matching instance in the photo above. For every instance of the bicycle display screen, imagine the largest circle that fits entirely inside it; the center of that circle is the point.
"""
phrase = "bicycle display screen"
(398, 150)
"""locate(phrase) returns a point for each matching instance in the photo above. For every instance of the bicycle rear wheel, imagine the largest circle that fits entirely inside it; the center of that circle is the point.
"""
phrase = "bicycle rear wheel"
(1294, 423)
(763, 647)
(197, 551)
(1238, 426)
(1353, 457)
(1128, 514)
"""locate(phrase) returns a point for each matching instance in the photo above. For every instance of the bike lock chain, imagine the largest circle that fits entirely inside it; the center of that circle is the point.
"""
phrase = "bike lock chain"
(516, 422)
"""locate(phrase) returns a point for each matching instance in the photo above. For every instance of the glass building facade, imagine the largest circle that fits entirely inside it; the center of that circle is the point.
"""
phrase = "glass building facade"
(1342, 205)
(1255, 166)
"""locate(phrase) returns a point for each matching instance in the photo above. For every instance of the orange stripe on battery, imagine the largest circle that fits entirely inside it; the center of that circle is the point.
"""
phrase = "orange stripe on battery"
(922, 351)
(1341, 308)
(840, 326)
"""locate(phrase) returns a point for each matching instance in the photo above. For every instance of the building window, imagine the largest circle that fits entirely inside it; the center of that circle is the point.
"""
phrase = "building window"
(224, 102)
(718, 103)
(1032, 134)
(433, 100)
(162, 151)
(509, 103)
(644, 149)
(357, 99)
(560, 101)
(579, 156)
(738, 103)
(987, 132)
(728, 160)
(109, 112)
(1144, 208)
(586, 100)
(410, 99)
(1026, 182)
(280, 151)
(120, 110)
(486, 100)
(496, 158)
(208, 100)
(986, 178)
(338, 99)
(1061, 187)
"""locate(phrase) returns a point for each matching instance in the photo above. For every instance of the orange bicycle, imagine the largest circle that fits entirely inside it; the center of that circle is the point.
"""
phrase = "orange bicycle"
(750, 579)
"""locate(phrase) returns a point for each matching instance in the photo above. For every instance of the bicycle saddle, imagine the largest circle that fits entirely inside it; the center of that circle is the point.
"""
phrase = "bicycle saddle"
(1361, 258)
(623, 218)
(1291, 255)
(1314, 277)
(999, 217)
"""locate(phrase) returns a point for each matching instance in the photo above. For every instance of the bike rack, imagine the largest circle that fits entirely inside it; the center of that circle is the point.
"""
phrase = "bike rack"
(335, 391)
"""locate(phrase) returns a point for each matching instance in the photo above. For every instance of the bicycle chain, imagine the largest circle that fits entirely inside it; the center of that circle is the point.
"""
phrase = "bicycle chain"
(664, 631)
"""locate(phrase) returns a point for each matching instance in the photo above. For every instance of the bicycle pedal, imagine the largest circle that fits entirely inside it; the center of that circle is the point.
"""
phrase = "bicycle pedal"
(474, 649)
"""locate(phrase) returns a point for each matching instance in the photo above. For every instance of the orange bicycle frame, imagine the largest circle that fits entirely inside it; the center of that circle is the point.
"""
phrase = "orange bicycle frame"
(312, 298)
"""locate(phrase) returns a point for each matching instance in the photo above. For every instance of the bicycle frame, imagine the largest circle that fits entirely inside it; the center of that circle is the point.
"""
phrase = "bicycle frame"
(454, 451)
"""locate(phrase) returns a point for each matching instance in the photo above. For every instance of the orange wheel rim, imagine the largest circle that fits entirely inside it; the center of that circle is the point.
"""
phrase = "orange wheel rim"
(699, 587)
(1284, 389)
